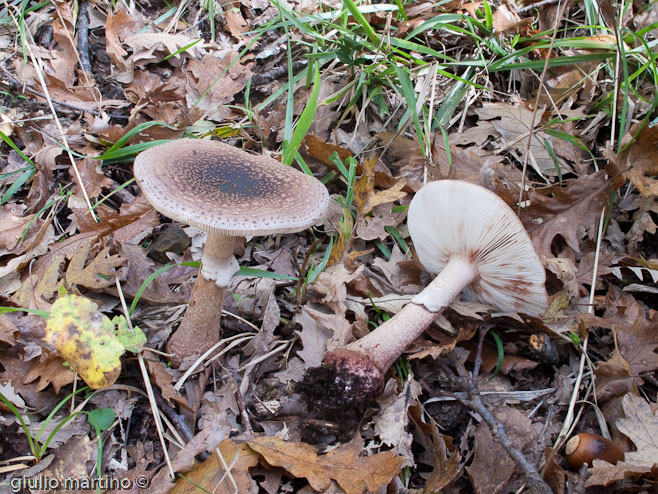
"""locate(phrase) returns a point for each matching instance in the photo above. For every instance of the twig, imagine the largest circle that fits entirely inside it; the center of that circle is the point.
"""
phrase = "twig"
(535, 5)
(176, 419)
(83, 37)
(473, 402)
(246, 422)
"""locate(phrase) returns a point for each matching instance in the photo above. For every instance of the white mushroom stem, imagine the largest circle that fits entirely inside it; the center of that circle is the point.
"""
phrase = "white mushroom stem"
(218, 263)
(386, 343)
(199, 329)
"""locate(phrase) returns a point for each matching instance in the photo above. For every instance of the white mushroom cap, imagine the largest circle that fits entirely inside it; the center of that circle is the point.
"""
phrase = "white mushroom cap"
(449, 218)
(221, 189)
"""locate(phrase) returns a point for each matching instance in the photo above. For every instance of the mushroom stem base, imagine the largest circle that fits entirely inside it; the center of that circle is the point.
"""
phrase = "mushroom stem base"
(200, 328)
(346, 380)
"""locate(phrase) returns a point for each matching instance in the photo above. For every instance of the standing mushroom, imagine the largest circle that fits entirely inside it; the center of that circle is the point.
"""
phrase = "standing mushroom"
(469, 236)
(227, 193)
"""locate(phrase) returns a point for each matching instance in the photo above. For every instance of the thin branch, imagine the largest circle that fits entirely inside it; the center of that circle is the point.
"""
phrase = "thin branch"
(473, 402)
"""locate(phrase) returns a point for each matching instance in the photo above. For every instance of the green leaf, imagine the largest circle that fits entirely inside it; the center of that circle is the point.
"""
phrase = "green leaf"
(305, 119)
(132, 340)
(101, 418)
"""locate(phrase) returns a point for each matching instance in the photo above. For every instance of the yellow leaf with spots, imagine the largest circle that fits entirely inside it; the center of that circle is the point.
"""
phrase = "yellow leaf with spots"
(89, 341)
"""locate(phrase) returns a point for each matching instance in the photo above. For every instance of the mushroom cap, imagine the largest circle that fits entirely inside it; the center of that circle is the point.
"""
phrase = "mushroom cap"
(454, 218)
(221, 189)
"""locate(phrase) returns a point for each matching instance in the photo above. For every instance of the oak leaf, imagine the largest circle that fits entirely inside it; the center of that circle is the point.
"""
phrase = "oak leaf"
(354, 473)
(95, 275)
(51, 371)
(226, 471)
(642, 158)
(561, 209)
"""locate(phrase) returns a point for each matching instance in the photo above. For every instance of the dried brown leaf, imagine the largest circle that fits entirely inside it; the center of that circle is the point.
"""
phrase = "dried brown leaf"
(12, 227)
(226, 471)
(642, 158)
(98, 273)
(51, 371)
(314, 336)
(354, 473)
(8, 330)
(492, 467)
(162, 378)
(564, 208)
(322, 150)
(93, 178)
(235, 22)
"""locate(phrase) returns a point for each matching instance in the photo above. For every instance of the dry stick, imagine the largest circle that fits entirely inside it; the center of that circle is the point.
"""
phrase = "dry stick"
(77, 55)
(83, 38)
(535, 5)
(176, 419)
(244, 415)
(473, 402)
(558, 18)
(147, 384)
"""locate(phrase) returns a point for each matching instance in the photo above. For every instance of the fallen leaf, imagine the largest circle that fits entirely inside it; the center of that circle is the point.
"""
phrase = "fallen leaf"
(354, 473)
(445, 456)
(561, 209)
(226, 471)
(321, 150)
(8, 330)
(161, 376)
(642, 158)
(512, 122)
(235, 22)
(93, 178)
(98, 273)
(492, 467)
(51, 371)
(89, 341)
(392, 420)
(314, 338)
(13, 226)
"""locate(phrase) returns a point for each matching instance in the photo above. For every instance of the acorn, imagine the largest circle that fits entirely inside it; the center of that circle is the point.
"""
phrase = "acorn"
(586, 447)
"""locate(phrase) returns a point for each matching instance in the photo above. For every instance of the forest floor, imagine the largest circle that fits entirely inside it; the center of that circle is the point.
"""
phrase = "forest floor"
(550, 105)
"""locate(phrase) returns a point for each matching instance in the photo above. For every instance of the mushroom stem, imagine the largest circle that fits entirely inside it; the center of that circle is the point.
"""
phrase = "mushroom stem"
(353, 375)
(199, 330)
(386, 343)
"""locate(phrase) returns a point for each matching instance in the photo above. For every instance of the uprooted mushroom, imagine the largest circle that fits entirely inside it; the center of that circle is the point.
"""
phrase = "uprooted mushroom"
(227, 193)
(469, 236)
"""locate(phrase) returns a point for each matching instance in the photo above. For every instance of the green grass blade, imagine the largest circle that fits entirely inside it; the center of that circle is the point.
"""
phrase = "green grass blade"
(305, 119)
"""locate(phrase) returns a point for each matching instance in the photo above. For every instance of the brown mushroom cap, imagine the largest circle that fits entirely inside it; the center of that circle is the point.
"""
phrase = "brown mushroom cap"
(450, 218)
(221, 189)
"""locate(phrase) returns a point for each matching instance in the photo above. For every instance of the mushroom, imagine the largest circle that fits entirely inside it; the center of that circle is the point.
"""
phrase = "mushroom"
(227, 193)
(469, 236)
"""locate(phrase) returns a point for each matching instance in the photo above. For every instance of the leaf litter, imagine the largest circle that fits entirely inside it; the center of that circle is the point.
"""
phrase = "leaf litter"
(237, 422)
